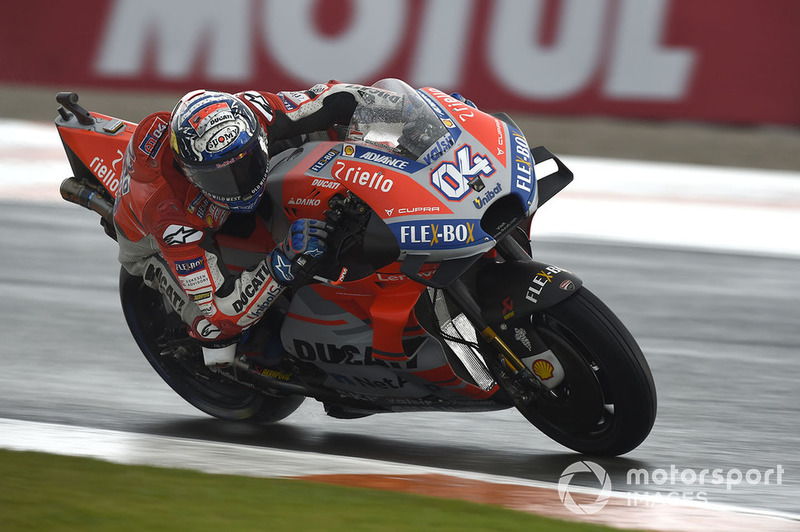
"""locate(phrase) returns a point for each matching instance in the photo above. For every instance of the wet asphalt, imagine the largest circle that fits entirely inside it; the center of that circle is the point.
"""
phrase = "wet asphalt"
(721, 333)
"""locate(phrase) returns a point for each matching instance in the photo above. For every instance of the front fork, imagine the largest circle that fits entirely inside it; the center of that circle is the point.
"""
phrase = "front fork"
(519, 379)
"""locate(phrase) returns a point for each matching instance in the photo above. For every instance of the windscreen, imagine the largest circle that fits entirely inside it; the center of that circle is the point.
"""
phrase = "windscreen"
(394, 118)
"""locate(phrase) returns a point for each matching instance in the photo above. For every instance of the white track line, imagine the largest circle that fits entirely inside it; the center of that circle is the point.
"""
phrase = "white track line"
(248, 460)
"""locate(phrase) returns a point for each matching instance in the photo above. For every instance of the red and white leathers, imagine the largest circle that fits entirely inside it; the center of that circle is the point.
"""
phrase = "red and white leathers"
(166, 227)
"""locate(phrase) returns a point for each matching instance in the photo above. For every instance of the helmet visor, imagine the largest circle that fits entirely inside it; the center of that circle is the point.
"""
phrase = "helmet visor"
(236, 181)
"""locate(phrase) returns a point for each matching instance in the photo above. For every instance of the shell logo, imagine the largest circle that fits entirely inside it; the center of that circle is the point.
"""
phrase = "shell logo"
(543, 369)
(349, 150)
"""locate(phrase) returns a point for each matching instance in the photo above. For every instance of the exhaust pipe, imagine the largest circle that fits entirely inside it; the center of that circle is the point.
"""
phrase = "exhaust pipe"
(76, 192)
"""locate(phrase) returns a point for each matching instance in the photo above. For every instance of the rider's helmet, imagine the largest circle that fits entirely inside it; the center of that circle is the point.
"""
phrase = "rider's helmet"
(221, 148)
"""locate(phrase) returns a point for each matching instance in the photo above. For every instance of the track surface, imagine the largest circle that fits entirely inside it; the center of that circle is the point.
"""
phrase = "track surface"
(720, 332)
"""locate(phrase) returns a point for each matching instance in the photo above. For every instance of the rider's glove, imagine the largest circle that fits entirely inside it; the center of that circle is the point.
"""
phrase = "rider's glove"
(460, 98)
(303, 245)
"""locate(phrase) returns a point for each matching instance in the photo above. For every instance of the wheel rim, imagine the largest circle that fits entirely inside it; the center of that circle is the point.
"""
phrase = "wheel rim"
(583, 407)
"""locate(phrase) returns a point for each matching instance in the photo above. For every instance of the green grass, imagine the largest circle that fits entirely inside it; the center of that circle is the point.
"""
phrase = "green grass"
(54, 493)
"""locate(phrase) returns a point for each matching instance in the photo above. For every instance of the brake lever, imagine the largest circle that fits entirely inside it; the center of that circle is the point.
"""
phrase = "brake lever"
(345, 222)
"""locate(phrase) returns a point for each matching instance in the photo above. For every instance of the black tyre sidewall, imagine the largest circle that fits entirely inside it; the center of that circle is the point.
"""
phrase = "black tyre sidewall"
(624, 373)
(258, 407)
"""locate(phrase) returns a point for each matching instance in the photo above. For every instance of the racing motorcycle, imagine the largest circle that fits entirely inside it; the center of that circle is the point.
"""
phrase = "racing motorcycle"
(428, 299)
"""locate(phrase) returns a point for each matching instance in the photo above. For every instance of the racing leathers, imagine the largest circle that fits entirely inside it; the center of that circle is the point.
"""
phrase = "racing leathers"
(167, 228)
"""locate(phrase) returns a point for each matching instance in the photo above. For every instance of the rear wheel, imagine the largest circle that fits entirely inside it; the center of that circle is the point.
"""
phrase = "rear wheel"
(162, 338)
(606, 404)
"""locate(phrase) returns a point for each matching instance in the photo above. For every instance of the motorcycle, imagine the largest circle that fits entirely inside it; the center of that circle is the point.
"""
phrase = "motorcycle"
(428, 299)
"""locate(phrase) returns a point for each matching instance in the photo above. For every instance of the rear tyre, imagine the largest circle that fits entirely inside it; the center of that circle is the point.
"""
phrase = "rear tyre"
(606, 404)
(158, 330)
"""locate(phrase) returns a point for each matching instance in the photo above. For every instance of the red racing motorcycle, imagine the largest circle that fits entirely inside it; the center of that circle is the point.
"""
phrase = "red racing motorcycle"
(428, 299)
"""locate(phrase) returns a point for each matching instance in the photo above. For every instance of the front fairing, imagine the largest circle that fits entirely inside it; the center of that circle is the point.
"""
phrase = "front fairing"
(447, 180)
(472, 177)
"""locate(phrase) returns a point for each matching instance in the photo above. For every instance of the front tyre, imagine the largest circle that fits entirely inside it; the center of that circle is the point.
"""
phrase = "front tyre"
(165, 343)
(606, 404)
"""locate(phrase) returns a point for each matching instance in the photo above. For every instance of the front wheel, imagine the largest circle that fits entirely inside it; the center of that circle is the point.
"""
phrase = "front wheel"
(606, 404)
(162, 338)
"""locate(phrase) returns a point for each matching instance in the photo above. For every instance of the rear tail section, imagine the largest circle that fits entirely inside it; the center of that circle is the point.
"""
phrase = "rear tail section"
(95, 145)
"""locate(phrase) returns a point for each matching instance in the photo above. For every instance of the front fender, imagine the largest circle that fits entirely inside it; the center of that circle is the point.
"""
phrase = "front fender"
(518, 288)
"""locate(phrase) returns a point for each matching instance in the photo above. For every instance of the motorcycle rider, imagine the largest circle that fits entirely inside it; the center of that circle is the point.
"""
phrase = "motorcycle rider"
(173, 200)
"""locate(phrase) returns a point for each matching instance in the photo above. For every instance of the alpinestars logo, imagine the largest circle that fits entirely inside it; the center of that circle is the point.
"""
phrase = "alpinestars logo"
(207, 329)
(282, 268)
(180, 234)
(261, 104)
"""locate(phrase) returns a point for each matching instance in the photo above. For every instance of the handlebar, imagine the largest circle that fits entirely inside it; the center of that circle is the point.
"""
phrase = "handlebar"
(69, 102)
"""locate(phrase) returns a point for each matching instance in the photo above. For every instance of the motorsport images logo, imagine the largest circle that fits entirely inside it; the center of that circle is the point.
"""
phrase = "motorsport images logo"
(684, 484)
(564, 490)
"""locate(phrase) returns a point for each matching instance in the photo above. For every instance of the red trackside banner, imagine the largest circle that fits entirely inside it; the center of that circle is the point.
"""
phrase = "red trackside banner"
(729, 61)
